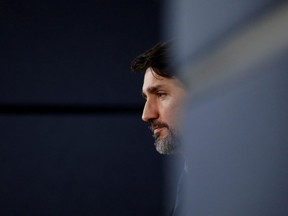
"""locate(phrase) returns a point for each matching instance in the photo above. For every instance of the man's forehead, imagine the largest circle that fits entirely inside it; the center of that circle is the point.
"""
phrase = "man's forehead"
(152, 80)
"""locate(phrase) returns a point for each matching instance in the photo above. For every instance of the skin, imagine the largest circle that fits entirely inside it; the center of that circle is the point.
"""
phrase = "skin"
(164, 99)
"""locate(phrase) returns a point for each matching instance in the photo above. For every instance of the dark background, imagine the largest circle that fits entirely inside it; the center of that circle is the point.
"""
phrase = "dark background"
(71, 137)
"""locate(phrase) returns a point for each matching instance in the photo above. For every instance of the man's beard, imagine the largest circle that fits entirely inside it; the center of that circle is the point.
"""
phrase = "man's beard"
(169, 144)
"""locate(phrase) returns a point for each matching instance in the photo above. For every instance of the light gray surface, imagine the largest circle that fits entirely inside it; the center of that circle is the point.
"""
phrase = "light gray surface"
(236, 139)
(235, 127)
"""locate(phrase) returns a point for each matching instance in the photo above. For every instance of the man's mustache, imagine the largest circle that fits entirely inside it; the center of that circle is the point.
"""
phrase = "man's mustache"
(152, 124)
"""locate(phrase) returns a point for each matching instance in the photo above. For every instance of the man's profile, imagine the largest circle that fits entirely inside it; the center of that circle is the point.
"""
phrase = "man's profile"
(164, 94)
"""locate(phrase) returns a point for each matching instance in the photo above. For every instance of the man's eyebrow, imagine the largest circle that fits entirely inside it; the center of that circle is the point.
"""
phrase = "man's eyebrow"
(152, 89)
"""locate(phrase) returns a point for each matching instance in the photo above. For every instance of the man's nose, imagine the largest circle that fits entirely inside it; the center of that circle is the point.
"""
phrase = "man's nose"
(150, 111)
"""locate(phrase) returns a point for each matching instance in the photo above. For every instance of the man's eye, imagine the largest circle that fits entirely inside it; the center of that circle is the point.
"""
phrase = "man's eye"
(161, 94)
(144, 97)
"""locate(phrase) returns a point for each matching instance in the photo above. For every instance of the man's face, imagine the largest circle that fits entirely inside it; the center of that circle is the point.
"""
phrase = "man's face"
(164, 98)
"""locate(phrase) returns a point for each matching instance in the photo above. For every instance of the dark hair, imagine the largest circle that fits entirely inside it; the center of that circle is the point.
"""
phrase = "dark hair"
(156, 58)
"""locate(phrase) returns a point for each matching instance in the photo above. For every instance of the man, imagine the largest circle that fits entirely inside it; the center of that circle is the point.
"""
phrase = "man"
(164, 94)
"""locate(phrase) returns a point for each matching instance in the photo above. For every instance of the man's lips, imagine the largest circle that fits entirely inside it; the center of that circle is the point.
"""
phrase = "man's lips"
(157, 126)
(157, 130)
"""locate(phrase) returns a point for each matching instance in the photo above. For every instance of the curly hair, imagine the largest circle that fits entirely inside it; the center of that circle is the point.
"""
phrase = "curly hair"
(156, 58)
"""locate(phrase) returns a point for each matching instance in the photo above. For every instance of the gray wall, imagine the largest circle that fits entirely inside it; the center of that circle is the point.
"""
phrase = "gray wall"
(233, 57)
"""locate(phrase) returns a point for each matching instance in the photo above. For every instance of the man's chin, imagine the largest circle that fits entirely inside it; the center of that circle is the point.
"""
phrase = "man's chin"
(164, 147)
(166, 143)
